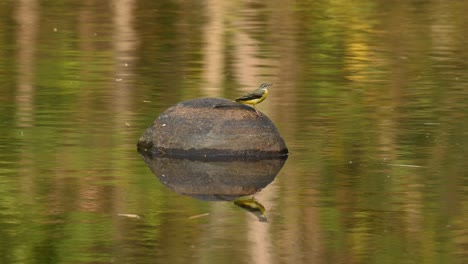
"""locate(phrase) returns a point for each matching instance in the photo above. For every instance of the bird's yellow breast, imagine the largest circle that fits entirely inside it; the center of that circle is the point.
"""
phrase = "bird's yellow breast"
(257, 100)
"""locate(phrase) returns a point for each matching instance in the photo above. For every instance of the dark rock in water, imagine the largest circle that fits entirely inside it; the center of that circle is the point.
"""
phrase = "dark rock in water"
(212, 127)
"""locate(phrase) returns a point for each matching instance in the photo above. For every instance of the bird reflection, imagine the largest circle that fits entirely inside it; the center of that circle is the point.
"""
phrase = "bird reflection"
(253, 206)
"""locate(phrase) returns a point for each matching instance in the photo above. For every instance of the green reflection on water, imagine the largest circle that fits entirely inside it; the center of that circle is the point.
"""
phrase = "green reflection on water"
(371, 98)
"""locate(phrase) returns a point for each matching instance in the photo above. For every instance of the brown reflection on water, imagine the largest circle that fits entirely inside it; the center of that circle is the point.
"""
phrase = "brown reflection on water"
(27, 18)
(125, 41)
(214, 49)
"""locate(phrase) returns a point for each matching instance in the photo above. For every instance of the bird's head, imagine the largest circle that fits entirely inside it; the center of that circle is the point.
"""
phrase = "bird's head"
(264, 86)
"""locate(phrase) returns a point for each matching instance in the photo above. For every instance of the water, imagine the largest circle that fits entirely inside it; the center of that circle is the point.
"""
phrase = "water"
(371, 98)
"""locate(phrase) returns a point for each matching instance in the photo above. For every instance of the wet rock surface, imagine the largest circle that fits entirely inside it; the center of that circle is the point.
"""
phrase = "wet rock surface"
(212, 127)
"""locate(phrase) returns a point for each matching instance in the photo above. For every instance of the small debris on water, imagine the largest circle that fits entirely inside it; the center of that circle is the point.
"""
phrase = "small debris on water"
(198, 216)
(130, 215)
(406, 165)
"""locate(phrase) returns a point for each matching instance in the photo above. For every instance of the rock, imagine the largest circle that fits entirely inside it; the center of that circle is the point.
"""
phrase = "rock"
(212, 127)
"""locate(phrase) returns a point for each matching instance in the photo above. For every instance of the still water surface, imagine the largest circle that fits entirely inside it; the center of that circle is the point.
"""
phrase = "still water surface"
(371, 98)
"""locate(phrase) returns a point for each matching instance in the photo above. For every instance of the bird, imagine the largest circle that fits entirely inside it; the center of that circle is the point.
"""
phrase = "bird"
(255, 97)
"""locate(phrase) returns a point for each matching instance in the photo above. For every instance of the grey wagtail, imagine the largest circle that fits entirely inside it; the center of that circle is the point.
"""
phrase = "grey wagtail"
(255, 97)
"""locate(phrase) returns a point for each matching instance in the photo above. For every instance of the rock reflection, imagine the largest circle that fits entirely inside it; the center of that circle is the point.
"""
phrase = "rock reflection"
(221, 179)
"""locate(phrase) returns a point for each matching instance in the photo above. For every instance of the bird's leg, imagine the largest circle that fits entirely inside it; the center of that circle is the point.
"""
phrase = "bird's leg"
(258, 113)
